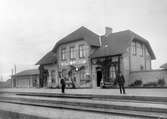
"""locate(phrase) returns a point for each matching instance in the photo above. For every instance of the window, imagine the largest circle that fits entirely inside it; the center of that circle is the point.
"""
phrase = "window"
(82, 51)
(72, 52)
(112, 72)
(147, 53)
(141, 48)
(134, 49)
(63, 54)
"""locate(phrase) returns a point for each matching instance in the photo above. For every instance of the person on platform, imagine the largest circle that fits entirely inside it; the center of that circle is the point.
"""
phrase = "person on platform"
(63, 85)
(121, 82)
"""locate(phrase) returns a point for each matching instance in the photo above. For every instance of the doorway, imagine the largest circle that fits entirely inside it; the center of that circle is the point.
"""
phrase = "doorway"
(99, 77)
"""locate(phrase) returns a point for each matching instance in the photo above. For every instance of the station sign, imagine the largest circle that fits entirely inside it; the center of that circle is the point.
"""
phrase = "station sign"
(74, 62)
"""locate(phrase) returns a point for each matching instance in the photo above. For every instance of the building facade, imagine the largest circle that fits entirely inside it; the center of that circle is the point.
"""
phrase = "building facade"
(26, 79)
(85, 59)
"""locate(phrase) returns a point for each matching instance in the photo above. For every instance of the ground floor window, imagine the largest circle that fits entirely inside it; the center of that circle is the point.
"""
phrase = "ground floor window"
(112, 72)
(53, 76)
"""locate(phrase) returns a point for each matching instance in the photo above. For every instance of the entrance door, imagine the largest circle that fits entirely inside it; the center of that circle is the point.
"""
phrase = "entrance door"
(99, 77)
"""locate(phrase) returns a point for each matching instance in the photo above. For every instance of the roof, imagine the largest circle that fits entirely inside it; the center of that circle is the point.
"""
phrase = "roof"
(164, 66)
(80, 34)
(27, 72)
(117, 43)
(49, 58)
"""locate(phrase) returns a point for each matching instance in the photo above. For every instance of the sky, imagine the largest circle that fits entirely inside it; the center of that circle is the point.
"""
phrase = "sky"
(30, 28)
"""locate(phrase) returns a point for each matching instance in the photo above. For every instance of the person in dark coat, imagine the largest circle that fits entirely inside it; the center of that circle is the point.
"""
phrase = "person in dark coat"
(121, 82)
(63, 85)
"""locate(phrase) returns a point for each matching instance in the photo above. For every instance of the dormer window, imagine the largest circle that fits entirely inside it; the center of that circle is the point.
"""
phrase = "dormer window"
(141, 49)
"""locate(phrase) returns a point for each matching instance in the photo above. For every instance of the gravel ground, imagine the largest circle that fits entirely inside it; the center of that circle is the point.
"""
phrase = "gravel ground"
(109, 102)
(55, 113)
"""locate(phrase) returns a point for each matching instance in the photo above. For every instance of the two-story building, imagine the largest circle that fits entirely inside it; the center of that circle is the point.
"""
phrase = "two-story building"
(86, 59)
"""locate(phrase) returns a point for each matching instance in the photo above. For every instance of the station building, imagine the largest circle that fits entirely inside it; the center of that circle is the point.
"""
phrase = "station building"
(86, 59)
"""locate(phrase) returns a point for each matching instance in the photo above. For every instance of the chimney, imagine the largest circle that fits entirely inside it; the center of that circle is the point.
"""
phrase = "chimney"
(108, 31)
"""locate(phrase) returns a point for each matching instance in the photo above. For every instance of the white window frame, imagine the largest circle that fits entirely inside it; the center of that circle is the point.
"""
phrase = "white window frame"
(82, 51)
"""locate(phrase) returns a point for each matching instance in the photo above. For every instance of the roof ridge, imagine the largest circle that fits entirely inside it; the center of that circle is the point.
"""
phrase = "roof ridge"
(123, 31)
(81, 30)
(27, 70)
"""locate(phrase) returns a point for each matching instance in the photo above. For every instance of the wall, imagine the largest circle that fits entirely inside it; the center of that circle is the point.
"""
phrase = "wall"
(25, 81)
(131, 62)
(138, 61)
(125, 65)
(148, 76)
(67, 46)
(56, 81)
(77, 62)
(93, 69)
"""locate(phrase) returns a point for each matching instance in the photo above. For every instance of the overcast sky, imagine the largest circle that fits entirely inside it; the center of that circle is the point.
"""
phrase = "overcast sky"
(30, 28)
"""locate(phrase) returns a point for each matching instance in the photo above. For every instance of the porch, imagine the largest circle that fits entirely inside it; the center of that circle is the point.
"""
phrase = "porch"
(105, 70)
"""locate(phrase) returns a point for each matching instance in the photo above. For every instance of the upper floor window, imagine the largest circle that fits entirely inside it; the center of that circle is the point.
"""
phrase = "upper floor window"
(134, 48)
(141, 49)
(72, 53)
(63, 54)
(147, 53)
(82, 51)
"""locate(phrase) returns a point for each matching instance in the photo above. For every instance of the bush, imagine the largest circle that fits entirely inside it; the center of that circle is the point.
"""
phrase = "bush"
(151, 84)
(137, 83)
(161, 82)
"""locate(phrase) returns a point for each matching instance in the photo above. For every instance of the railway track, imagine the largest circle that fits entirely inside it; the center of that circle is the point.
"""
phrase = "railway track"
(90, 104)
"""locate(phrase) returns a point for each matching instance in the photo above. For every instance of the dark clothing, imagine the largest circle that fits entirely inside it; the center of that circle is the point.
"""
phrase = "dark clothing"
(121, 87)
(63, 85)
(62, 88)
(73, 82)
(62, 81)
(121, 81)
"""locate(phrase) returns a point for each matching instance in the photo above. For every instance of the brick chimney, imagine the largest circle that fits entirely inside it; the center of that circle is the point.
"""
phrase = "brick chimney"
(108, 31)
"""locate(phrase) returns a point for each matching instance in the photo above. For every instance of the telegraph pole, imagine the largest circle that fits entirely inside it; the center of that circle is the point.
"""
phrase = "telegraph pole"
(12, 77)
(14, 69)
(12, 72)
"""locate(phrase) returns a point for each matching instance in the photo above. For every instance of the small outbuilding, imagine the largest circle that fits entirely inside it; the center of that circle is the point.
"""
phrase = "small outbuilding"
(26, 79)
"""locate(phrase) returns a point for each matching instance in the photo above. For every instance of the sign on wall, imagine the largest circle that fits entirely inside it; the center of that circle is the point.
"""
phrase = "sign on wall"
(75, 62)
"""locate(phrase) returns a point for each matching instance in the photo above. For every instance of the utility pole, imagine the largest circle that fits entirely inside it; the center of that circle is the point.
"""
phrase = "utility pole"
(12, 72)
(14, 69)
(12, 78)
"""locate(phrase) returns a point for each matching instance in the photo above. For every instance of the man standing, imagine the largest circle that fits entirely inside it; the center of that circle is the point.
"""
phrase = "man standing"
(63, 84)
(121, 82)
